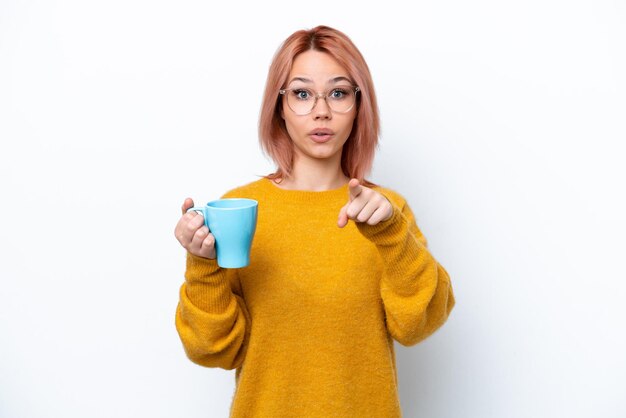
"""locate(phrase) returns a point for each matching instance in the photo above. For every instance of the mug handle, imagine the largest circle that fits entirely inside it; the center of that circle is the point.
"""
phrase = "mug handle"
(198, 209)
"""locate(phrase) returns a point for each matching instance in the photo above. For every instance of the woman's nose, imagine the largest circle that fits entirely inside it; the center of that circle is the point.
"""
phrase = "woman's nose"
(321, 109)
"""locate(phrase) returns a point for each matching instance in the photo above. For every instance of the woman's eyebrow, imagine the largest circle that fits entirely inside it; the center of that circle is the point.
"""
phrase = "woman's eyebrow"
(340, 78)
(309, 81)
(304, 80)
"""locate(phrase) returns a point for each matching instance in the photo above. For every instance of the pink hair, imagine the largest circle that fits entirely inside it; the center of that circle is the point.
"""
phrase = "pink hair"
(358, 151)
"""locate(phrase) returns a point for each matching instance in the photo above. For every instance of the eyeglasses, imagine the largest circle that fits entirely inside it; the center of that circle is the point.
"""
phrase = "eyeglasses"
(302, 101)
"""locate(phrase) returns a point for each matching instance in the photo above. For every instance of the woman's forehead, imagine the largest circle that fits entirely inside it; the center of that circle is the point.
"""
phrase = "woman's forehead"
(316, 65)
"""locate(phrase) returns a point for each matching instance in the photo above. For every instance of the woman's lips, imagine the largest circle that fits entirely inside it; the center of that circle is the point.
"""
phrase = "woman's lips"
(321, 138)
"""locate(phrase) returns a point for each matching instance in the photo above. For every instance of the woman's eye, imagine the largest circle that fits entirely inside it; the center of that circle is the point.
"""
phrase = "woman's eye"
(338, 94)
(302, 94)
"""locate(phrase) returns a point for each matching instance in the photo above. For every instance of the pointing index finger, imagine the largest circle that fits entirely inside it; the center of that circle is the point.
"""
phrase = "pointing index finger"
(355, 188)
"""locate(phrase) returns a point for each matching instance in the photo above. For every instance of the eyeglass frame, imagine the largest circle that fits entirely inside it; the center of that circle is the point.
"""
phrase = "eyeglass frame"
(317, 96)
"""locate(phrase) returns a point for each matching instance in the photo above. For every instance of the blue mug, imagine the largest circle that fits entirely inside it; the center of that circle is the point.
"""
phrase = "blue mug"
(233, 223)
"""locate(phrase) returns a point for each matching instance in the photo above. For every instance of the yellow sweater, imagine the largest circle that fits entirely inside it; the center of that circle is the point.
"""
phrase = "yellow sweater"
(309, 324)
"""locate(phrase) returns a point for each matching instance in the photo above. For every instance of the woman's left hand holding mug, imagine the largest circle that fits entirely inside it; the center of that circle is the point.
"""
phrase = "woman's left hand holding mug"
(193, 234)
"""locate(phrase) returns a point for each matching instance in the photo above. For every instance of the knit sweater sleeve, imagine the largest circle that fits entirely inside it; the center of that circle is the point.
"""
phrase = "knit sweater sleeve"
(415, 289)
(211, 317)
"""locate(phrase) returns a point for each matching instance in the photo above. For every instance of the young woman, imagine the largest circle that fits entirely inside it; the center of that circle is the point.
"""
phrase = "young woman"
(338, 267)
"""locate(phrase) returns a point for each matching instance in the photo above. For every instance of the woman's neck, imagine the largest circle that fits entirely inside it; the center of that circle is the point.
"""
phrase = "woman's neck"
(314, 178)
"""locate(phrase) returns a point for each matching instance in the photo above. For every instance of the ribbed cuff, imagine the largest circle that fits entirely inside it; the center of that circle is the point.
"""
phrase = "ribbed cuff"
(207, 284)
(199, 268)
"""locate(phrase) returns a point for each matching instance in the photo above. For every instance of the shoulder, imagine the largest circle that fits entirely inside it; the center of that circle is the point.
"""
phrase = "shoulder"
(246, 190)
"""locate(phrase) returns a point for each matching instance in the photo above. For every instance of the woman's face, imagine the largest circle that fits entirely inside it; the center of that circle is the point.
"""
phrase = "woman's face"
(317, 72)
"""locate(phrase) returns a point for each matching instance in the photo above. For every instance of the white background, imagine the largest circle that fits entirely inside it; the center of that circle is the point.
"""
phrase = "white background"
(503, 126)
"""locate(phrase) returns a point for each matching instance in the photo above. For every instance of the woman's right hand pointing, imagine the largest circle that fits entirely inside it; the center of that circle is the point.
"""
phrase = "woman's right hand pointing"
(193, 234)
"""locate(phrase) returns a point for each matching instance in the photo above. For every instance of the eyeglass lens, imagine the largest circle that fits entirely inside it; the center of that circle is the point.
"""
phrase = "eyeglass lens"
(339, 99)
